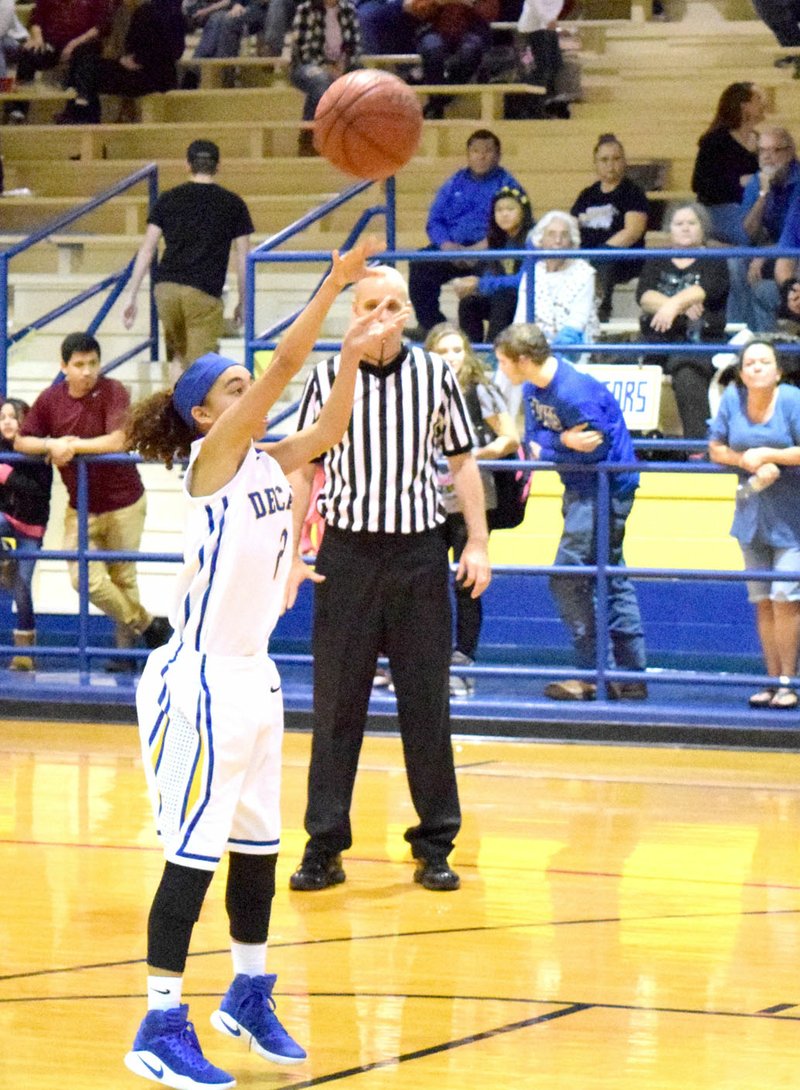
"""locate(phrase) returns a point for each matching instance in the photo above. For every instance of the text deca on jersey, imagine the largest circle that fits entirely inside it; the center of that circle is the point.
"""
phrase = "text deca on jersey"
(268, 501)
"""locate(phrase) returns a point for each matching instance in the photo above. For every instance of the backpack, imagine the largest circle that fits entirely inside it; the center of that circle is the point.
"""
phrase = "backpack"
(512, 486)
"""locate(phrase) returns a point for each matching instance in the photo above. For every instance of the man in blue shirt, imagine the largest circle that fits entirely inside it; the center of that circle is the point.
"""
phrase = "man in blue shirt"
(571, 418)
(458, 220)
(768, 196)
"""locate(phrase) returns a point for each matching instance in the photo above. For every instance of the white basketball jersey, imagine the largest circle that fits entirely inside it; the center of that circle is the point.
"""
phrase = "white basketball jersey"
(238, 551)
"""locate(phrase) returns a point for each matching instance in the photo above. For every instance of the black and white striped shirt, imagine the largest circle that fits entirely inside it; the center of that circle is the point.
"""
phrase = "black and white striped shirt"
(382, 476)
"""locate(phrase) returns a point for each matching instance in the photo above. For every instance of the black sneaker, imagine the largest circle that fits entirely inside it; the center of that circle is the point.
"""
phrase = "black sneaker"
(158, 632)
(317, 872)
(436, 874)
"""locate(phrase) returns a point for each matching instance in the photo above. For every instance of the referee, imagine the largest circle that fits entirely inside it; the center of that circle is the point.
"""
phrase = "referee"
(383, 586)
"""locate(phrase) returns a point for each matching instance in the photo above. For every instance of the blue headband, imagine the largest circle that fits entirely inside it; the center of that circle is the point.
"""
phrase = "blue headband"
(192, 387)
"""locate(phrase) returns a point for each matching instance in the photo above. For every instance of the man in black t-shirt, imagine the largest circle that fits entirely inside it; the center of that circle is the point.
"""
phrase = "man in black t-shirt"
(199, 221)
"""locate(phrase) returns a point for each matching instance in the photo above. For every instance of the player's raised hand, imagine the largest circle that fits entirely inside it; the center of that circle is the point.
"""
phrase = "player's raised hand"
(352, 264)
(368, 333)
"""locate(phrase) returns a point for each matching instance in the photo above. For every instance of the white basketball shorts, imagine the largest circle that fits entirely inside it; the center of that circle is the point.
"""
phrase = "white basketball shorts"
(211, 729)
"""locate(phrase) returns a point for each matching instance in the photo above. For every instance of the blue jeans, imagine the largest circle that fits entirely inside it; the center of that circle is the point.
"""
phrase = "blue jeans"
(576, 597)
(22, 578)
(754, 304)
(313, 81)
(726, 224)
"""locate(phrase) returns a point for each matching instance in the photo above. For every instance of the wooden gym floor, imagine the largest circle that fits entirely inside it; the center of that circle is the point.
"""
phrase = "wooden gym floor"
(628, 918)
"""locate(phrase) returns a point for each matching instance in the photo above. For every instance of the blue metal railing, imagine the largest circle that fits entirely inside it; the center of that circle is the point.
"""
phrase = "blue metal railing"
(116, 282)
(601, 571)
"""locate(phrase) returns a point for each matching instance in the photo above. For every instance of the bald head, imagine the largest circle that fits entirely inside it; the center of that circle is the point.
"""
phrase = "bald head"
(382, 282)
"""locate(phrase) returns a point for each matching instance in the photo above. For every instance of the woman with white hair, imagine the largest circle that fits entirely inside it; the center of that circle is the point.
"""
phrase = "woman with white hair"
(565, 308)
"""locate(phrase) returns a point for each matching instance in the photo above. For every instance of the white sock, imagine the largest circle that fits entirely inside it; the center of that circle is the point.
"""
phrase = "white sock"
(164, 992)
(249, 958)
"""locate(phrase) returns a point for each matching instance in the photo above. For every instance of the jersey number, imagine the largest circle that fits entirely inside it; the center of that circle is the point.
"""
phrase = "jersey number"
(283, 540)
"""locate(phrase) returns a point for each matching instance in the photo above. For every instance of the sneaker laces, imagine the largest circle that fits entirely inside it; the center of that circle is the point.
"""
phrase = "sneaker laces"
(260, 992)
(182, 1036)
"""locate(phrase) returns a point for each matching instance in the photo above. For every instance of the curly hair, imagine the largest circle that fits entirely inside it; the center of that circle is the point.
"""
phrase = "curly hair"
(157, 432)
(472, 371)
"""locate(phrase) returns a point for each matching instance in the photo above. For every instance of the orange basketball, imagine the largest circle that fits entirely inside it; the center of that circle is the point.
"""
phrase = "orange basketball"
(368, 124)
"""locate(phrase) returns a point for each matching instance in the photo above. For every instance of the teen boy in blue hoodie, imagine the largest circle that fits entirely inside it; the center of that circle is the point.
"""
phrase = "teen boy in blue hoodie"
(571, 418)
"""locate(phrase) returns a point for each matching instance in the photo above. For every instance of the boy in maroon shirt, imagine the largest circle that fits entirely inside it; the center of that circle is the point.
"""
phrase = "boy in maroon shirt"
(86, 414)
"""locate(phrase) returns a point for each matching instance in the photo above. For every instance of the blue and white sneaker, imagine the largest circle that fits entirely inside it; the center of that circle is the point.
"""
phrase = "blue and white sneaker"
(166, 1050)
(248, 1011)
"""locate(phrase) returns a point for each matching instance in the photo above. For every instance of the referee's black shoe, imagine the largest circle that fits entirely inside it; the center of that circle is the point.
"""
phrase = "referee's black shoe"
(436, 874)
(317, 872)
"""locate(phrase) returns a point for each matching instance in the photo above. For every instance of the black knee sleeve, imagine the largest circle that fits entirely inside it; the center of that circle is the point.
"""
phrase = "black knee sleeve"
(248, 895)
(174, 912)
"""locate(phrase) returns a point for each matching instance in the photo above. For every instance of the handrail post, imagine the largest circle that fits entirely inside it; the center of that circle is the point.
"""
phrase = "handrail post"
(249, 311)
(603, 526)
(83, 564)
(4, 321)
(391, 212)
(152, 197)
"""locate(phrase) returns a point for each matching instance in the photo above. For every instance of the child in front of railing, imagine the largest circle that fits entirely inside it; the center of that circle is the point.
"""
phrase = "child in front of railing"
(24, 511)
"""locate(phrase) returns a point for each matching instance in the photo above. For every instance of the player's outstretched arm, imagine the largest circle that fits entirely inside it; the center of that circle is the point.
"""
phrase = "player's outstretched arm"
(297, 342)
(364, 337)
(231, 434)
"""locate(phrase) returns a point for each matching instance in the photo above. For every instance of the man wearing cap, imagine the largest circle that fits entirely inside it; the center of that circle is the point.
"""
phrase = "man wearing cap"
(200, 221)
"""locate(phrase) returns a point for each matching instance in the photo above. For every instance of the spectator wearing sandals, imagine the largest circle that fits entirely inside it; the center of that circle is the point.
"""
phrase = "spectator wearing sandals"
(86, 413)
(757, 431)
(452, 39)
(200, 222)
(726, 159)
(153, 45)
(326, 43)
(612, 214)
(492, 296)
(457, 221)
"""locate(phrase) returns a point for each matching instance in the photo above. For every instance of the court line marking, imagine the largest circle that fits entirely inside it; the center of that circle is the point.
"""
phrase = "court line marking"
(775, 1013)
(379, 936)
(616, 875)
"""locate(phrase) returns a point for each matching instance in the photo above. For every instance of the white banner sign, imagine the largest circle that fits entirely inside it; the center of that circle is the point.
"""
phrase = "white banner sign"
(636, 388)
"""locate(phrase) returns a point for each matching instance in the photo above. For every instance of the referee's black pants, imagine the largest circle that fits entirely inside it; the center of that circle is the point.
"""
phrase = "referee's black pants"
(382, 593)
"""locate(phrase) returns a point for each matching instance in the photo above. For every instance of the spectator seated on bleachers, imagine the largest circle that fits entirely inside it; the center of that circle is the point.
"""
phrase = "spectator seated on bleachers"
(322, 50)
(457, 221)
(386, 27)
(12, 35)
(491, 297)
(56, 31)
(754, 297)
(451, 39)
(683, 302)
(612, 214)
(153, 45)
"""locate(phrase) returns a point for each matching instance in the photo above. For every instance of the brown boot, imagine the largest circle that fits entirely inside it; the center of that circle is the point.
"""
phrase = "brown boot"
(305, 144)
(22, 639)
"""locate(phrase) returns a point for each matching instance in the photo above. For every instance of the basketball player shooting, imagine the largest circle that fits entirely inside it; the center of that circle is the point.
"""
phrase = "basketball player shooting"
(209, 704)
